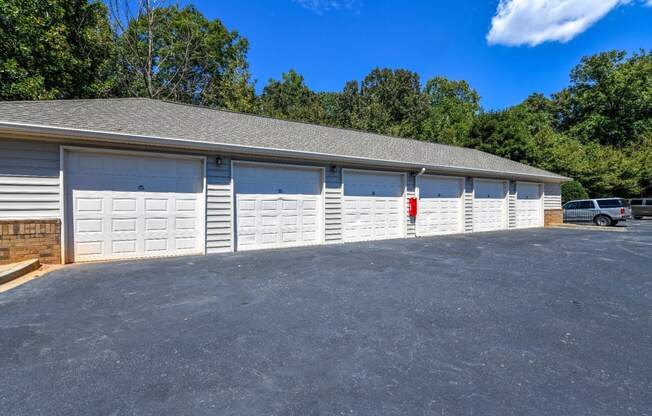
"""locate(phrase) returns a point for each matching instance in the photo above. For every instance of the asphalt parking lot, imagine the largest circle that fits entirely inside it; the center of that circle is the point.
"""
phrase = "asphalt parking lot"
(530, 322)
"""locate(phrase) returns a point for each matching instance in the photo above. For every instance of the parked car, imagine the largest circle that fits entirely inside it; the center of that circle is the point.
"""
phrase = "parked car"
(641, 207)
(603, 211)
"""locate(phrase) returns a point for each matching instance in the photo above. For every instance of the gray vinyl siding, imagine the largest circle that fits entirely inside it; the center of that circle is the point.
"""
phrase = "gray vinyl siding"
(29, 179)
(411, 229)
(552, 196)
(511, 206)
(333, 206)
(468, 205)
(219, 224)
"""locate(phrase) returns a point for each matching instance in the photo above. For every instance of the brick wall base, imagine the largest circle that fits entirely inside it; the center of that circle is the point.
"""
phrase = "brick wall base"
(553, 217)
(29, 239)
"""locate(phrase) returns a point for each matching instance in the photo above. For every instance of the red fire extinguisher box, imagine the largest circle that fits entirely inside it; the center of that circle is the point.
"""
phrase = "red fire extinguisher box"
(412, 211)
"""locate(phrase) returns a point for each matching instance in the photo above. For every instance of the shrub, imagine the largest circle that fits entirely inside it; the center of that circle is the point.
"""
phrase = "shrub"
(573, 190)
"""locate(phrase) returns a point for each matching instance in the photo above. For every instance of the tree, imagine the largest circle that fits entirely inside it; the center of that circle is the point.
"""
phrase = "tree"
(640, 153)
(391, 102)
(54, 49)
(342, 109)
(175, 53)
(572, 190)
(511, 133)
(453, 107)
(291, 99)
(609, 100)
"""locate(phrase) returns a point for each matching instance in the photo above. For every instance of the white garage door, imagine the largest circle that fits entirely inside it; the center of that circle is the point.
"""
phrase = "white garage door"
(440, 208)
(528, 205)
(373, 205)
(122, 206)
(489, 205)
(277, 206)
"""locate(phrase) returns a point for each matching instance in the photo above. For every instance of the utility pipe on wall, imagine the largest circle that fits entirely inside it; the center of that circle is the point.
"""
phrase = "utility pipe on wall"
(416, 188)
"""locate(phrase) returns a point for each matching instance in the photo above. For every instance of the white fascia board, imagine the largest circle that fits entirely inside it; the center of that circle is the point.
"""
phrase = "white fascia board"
(197, 145)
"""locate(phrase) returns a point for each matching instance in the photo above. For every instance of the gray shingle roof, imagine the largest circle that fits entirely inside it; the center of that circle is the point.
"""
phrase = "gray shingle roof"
(154, 118)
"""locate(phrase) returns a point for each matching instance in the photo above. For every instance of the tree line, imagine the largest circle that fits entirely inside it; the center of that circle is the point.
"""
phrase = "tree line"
(597, 130)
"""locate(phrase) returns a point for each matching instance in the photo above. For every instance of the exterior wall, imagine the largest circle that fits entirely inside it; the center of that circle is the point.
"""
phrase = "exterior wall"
(553, 217)
(219, 224)
(29, 239)
(29, 180)
(468, 205)
(410, 222)
(511, 206)
(30, 190)
(552, 196)
(333, 205)
(553, 214)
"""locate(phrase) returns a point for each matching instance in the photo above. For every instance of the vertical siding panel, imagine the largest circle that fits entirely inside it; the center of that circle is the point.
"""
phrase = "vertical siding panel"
(511, 206)
(552, 196)
(468, 205)
(29, 179)
(410, 222)
(219, 223)
(333, 203)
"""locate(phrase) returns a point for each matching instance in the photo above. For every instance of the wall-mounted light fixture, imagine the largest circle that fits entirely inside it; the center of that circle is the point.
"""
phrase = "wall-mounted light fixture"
(333, 168)
(218, 160)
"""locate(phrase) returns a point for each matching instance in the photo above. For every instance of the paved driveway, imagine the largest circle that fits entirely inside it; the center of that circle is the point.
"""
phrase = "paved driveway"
(540, 322)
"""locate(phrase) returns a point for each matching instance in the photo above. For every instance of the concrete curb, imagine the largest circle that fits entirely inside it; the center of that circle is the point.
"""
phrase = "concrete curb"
(589, 227)
(17, 270)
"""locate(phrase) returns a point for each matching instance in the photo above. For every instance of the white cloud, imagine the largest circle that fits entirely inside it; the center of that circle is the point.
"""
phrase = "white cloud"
(531, 22)
(320, 6)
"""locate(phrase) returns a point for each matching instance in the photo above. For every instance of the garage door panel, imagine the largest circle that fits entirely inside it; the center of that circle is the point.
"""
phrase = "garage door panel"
(185, 243)
(489, 205)
(116, 215)
(529, 206)
(185, 224)
(153, 245)
(372, 206)
(89, 248)
(85, 226)
(124, 205)
(277, 206)
(119, 225)
(156, 205)
(440, 206)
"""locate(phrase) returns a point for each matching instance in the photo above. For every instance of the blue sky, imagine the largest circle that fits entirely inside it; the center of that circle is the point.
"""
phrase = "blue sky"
(530, 46)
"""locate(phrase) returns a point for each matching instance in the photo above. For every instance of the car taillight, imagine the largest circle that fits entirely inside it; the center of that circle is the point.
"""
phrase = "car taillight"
(622, 211)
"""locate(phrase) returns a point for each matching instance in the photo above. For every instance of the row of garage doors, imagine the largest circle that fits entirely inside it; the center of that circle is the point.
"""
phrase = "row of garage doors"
(125, 206)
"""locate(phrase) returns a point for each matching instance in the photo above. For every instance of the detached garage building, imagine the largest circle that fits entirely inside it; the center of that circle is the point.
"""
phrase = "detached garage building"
(84, 180)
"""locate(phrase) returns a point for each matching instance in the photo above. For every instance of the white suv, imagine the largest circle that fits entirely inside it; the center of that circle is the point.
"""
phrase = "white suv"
(603, 212)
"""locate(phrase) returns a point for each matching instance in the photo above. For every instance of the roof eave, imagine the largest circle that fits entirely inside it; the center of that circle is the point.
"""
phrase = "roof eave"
(198, 145)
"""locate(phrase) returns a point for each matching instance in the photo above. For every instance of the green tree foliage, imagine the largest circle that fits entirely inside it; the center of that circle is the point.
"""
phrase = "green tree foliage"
(52, 49)
(453, 106)
(506, 134)
(290, 98)
(178, 54)
(597, 130)
(609, 100)
(391, 102)
(640, 153)
(573, 190)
